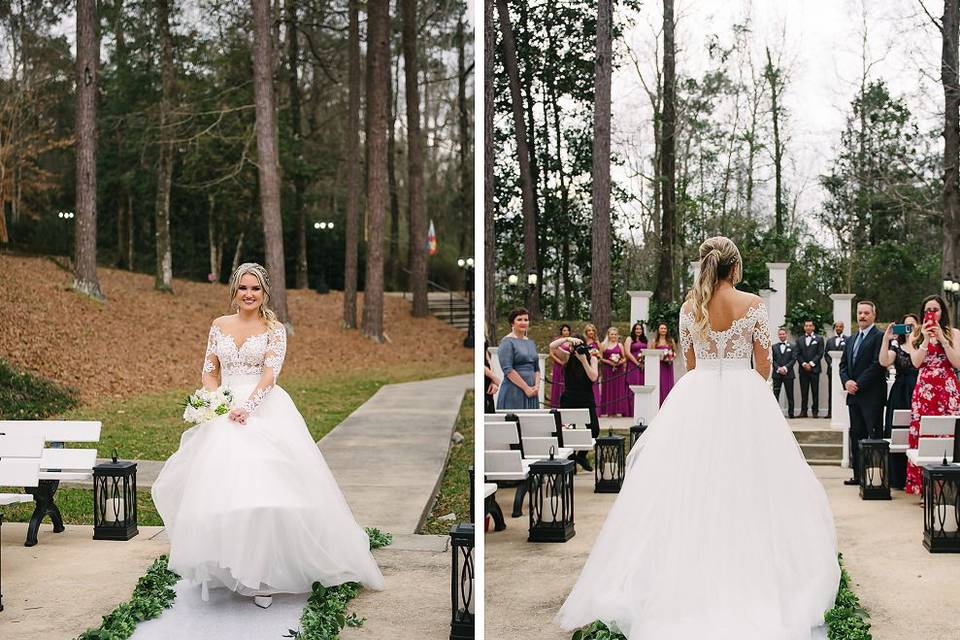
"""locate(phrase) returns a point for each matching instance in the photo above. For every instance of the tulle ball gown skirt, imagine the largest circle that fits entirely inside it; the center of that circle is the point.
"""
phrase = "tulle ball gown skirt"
(721, 529)
(254, 507)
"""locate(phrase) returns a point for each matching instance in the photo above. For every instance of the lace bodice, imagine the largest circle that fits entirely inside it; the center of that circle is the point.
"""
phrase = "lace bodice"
(261, 355)
(733, 343)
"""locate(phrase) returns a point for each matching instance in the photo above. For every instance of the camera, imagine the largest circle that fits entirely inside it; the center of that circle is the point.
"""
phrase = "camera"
(582, 349)
(901, 329)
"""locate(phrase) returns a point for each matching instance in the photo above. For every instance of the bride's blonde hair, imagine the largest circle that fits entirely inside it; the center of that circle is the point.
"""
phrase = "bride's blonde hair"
(260, 274)
(719, 260)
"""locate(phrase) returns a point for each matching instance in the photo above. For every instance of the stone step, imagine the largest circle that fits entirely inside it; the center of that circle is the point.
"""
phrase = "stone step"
(822, 451)
(818, 436)
(823, 463)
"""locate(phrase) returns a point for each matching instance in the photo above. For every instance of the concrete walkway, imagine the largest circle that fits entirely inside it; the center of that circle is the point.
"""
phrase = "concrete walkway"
(908, 592)
(388, 457)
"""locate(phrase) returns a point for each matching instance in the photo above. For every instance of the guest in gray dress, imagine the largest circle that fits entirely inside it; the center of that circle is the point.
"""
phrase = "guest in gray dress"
(520, 364)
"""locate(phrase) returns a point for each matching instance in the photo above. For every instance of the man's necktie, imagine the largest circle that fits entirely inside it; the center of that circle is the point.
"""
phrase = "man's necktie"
(856, 345)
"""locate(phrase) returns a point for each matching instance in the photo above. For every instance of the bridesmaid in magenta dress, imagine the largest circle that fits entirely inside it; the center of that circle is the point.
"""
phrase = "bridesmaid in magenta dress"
(613, 367)
(664, 341)
(590, 333)
(556, 373)
(634, 346)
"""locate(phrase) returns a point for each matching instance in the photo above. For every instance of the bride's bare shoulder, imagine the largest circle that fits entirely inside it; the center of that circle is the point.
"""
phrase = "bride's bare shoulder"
(223, 321)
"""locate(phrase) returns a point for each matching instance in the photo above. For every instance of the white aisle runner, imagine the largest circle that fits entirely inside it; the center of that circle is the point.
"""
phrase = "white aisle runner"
(224, 615)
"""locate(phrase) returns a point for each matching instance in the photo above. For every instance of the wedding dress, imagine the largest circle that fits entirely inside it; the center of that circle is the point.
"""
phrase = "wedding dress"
(253, 507)
(721, 529)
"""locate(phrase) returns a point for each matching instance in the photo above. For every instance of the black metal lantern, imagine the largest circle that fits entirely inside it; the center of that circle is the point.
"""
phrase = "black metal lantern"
(874, 479)
(115, 500)
(610, 460)
(636, 431)
(462, 582)
(551, 500)
(941, 508)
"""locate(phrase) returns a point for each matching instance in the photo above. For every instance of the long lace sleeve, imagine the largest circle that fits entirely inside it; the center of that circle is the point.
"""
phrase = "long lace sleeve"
(686, 339)
(211, 363)
(272, 363)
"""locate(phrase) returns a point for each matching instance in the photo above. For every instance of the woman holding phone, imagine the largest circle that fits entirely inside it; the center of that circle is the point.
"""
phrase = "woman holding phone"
(897, 352)
(936, 353)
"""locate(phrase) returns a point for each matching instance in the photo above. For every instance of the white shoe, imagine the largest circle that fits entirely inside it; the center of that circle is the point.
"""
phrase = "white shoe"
(263, 601)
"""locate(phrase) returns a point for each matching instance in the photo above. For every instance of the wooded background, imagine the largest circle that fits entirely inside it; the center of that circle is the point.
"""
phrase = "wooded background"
(717, 157)
(219, 131)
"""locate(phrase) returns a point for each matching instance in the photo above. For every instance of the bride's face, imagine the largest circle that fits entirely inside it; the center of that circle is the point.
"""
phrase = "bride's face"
(249, 293)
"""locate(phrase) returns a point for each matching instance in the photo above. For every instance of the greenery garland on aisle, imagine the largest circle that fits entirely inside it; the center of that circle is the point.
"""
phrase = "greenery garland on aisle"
(847, 620)
(153, 593)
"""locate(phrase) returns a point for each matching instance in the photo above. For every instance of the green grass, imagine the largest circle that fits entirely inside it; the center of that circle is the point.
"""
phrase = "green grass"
(148, 427)
(454, 496)
(25, 396)
(76, 507)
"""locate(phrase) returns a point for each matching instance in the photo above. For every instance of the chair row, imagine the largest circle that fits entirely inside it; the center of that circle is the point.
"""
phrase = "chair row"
(936, 438)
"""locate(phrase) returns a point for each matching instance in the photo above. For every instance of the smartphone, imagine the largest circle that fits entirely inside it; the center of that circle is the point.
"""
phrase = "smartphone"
(929, 316)
(901, 329)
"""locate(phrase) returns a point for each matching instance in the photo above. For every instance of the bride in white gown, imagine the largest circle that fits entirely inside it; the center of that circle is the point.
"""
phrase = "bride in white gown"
(247, 500)
(721, 529)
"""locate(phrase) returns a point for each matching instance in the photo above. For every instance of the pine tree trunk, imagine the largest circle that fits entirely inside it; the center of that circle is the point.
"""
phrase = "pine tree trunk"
(214, 239)
(663, 291)
(268, 157)
(393, 254)
(466, 173)
(489, 238)
(130, 230)
(299, 179)
(951, 140)
(416, 208)
(378, 50)
(121, 262)
(600, 271)
(353, 169)
(85, 233)
(523, 158)
(773, 78)
(164, 274)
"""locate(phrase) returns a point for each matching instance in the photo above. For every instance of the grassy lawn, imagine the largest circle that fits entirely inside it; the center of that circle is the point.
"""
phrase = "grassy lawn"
(148, 427)
(76, 507)
(454, 496)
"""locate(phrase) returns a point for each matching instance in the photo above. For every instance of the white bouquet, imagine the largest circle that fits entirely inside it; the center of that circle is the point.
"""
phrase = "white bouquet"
(615, 357)
(204, 405)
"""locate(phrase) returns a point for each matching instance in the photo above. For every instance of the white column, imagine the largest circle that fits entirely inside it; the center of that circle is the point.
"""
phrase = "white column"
(843, 310)
(650, 391)
(839, 415)
(640, 306)
(778, 295)
(543, 375)
(765, 296)
(495, 361)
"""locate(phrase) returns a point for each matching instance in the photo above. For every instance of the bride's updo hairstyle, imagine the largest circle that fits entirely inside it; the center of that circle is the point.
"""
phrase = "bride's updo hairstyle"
(719, 260)
(260, 273)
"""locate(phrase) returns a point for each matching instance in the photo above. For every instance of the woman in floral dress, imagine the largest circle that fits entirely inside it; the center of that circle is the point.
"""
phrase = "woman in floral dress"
(935, 350)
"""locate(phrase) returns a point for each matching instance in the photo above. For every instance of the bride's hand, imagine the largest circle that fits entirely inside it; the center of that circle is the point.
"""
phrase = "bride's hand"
(238, 415)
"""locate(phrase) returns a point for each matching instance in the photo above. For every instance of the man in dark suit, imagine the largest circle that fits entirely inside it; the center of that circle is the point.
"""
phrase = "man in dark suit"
(865, 381)
(809, 351)
(784, 357)
(836, 343)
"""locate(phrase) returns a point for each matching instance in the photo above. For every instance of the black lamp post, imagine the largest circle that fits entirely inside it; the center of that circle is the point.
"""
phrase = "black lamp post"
(941, 508)
(462, 582)
(951, 291)
(467, 265)
(610, 462)
(874, 476)
(636, 431)
(551, 500)
(115, 500)
(323, 227)
(532, 279)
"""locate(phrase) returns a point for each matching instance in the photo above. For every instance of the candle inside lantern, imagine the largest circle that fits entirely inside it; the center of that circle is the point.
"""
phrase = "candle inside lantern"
(114, 511)
(949, 514)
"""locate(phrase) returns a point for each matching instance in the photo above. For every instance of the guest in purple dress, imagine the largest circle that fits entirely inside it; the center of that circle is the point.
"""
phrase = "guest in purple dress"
(613, 368)
(665, 341)
(590, 333)
(634, 346)
(556, 373)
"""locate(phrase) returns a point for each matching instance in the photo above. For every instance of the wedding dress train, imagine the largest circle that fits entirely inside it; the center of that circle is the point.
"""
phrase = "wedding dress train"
(721, 529)
(253, 507)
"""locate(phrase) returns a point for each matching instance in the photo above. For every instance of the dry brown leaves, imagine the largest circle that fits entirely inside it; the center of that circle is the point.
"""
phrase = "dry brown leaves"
(143, 341)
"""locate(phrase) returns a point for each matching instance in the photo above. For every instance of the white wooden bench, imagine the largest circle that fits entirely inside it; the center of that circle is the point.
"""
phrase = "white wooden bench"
(899, 431)
(19, 467)
(491, 507)
(936, 440)
(538, 434)
(575, 418)
(508, 469)
(494, 417)
(56, 463)
(578, 439)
